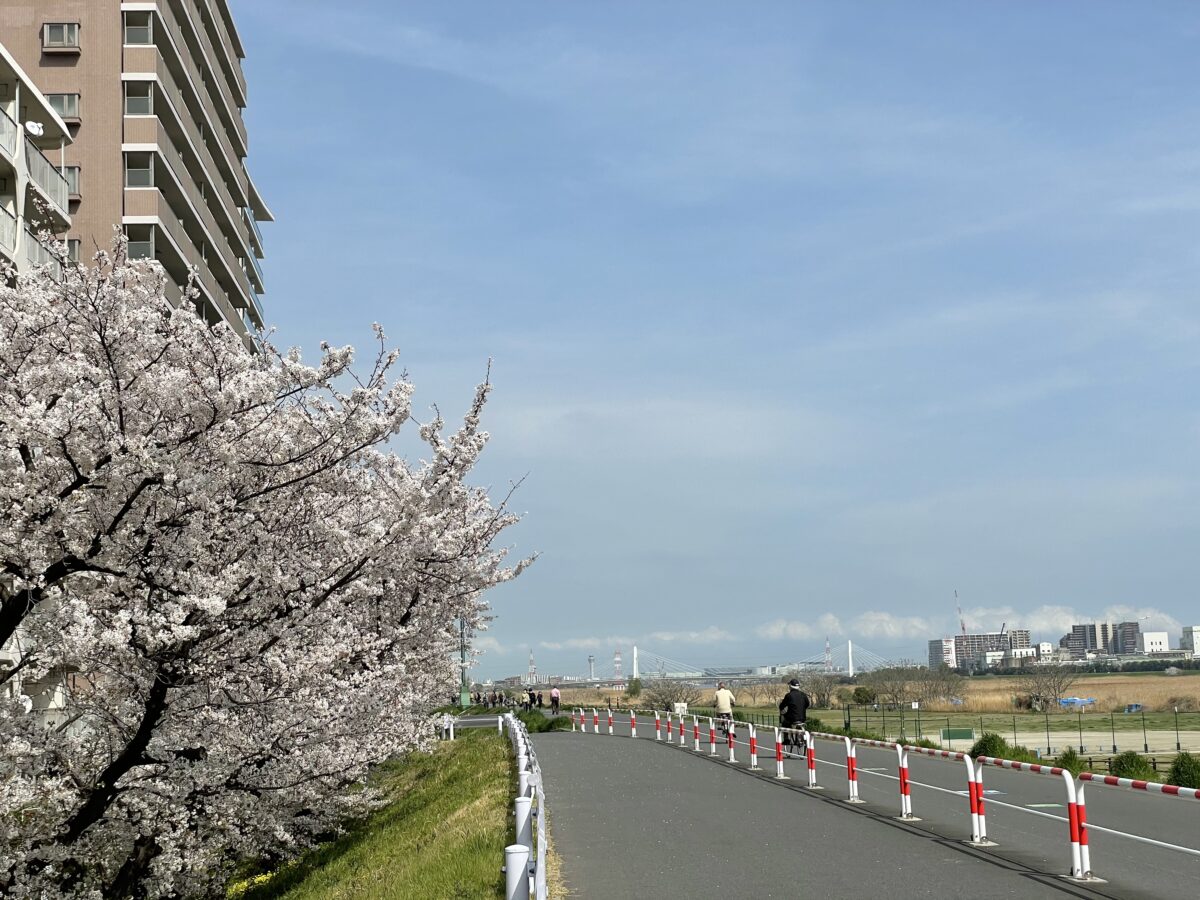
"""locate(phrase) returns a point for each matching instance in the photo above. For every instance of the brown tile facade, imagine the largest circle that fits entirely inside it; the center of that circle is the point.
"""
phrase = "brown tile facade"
(161, 93)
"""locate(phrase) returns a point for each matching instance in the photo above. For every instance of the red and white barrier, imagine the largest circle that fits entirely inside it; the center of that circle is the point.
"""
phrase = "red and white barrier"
(1078, 851)
(810, 753)
(668, 727)
(610, 722)
(681, 730)
(779, 773)
(712, 738)
(595, 721)
(632, 724)
(696, 734)
(753, 746)
(851, 763)
(732, 741)
(657, 726)
(1133, 784)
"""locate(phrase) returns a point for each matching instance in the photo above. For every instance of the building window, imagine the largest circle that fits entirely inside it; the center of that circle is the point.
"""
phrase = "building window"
(66, 105)
(138, 29)
(139, 170)
(60, 36)
(71, 173)
(139, 98)
(73, 249)
(141, 241)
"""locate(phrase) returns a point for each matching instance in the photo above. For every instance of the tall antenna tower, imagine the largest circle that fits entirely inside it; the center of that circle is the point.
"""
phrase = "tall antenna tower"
(828, 655)
(532, 676)
(617, 673)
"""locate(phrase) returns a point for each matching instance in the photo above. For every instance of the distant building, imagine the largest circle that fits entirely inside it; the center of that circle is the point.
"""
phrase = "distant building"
(1128, 634)
(973, 649)
(1045, 650)
(1089, 639)
(941, 653)
(1187, 641)
(1154, 642)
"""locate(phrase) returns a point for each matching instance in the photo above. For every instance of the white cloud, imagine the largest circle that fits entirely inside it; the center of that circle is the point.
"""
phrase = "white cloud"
(587, 643)
(825, 625)
(710, 635)
(488, 644)
(884, 625)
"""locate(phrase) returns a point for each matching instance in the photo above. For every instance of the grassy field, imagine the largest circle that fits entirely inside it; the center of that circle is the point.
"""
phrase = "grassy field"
(442, 835)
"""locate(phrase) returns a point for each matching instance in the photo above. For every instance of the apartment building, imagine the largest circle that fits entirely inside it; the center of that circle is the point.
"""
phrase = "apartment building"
(152, 93)
(33, 189)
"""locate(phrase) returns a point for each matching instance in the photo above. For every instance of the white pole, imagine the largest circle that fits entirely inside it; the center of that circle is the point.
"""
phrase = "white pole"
(452, 728)
(523, 807)
(850, 655)
(499, 725)
(635, 662)
(516, 872)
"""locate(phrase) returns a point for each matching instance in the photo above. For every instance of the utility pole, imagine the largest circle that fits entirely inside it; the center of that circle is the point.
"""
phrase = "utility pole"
(464, 693)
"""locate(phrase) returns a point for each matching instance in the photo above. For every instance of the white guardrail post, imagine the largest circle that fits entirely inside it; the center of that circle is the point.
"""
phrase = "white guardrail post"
(516, 872)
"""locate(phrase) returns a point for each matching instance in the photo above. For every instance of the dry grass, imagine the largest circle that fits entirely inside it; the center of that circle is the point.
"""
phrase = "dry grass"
(1154, 690)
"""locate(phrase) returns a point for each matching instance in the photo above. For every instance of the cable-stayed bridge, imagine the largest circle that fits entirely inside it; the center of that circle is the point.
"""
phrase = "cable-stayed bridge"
(845, 659)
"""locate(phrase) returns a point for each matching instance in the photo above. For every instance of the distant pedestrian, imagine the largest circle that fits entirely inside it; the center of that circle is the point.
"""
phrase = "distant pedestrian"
(532, 700)
(554, 698)
(539, 699)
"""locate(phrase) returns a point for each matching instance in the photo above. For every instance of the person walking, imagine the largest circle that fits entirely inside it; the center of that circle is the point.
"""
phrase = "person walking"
(539, 699)
(554, 698)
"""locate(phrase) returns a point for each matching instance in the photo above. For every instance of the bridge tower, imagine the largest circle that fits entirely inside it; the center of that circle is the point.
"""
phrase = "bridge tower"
(828, 655)
(531, 677)
(635, 663)
(591, 667)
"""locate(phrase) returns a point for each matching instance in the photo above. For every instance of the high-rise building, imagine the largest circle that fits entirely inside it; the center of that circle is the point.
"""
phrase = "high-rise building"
(153, 94)
(972, 649)
(1128, 637)
(941, 653)
(1189, 638)
(33, 189)
(1091, 637)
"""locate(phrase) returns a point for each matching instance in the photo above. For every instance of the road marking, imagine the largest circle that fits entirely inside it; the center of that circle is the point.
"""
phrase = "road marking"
(1044, 805)
(988, 791)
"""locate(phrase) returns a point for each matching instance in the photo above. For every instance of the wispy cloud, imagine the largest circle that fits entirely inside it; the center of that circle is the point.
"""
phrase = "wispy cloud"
(826, 624)
(710, 635)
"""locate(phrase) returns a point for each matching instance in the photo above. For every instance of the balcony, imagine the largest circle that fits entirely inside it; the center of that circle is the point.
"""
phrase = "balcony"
(9, 132)
(36, 253)
(47, 178)
(8, 233)
(252, 227)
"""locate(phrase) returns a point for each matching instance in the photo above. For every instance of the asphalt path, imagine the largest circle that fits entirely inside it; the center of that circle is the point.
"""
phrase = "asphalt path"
(656, 811)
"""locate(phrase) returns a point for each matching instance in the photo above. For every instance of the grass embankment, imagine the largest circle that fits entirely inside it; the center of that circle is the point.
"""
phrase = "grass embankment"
(442, 834)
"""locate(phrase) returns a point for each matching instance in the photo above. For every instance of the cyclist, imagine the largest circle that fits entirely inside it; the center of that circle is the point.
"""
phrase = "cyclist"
(723, 700)
(793, 713)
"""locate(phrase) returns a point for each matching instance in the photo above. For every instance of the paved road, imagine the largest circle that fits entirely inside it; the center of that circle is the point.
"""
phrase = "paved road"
(634, 818)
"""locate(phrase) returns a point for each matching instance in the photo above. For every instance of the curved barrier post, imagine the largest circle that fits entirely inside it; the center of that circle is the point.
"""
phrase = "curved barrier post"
(712, 738)
(696, 734)
(657, 726)
(632, 724)
(668, 728)
(610, 722)
(810, 753)
(595, 721)
(681, 730)
(729, 735)
(779, 773)
(753, 747)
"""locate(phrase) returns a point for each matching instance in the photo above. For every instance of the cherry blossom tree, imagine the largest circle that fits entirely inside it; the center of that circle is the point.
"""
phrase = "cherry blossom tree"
(240, 598)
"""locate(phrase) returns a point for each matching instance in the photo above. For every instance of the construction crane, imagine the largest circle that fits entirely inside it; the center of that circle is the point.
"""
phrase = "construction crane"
(962, 623)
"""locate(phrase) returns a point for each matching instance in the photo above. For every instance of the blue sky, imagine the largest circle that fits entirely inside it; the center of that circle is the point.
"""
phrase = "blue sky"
(803, 316)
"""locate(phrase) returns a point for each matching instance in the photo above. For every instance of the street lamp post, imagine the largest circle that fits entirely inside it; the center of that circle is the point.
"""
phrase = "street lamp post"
(1178, 747)
(464, 695)
(1145, 740)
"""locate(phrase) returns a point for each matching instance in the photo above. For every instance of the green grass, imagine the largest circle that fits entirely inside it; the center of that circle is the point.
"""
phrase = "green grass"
(442, 834)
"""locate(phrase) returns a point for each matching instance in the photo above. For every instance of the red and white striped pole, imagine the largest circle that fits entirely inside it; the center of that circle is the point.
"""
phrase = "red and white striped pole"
(852, 772)
(657, 726)
(1085, 853)
(668, 726)
(779, 756)
(574, 724)
(696, 734)
(905, 790)
(595, 721)
(729, 732)
(753, 747)
(632, 723)
(712, 738)
(973, 793)
(811, 753)
(1073, 824)
(610, 724)
(681, 730)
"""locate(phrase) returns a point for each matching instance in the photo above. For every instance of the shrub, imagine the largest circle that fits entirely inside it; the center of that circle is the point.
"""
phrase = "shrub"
(1131, 764)
(1185, 771)
(634, 688)
(863, 695)
(1069, 760)
(990, 744)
